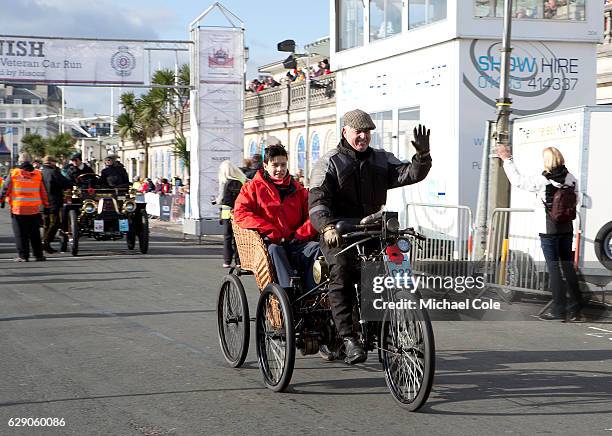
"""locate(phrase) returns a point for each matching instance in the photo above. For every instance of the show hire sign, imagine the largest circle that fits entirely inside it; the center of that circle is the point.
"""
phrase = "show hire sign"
(71, 61)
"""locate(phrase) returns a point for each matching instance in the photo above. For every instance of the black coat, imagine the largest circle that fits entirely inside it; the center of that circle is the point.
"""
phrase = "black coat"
(55, 183)
(74, 172)
(230, 192)
(347, 184)
(115, 176)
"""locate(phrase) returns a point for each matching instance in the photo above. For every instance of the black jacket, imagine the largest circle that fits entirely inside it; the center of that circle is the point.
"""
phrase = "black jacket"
(74, 172)
(55, 183)
(230, 192)
(347, 184)
(115, 176)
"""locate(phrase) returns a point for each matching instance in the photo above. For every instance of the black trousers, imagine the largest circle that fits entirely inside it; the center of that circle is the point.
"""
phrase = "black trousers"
(51, 224)
(229, 244)
(344, 274)
(27, 231)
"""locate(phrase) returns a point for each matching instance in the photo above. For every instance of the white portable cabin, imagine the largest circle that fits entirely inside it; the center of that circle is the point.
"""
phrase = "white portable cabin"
(437, 62)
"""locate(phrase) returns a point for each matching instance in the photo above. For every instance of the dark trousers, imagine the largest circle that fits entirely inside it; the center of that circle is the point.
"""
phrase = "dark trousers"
(558, 255)
(27, 231)
(344, 273)
(229, 244)
(294, 259)
(51, 224)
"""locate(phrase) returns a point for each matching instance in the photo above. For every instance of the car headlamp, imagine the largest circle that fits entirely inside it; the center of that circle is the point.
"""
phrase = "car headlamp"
(89, 206)
(393, 225)
(403, 245)
(320, 270)
(129, 206)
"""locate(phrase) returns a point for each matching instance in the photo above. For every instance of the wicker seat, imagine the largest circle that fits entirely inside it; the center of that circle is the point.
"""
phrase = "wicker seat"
(254, 255)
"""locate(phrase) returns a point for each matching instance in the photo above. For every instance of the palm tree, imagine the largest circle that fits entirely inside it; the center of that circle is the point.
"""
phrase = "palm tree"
(60, 146)
(175, 104)
(34, 145)
(140, 121)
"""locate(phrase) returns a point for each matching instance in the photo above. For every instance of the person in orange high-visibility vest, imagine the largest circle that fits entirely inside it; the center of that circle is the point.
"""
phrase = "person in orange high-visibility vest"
(26, 194)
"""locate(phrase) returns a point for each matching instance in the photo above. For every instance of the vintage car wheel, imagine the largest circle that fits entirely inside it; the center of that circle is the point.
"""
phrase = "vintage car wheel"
(603, 245)
(233, 321)
(408, 353)
(275, 337)
(143, 233)
(130, 237)
(74, 232)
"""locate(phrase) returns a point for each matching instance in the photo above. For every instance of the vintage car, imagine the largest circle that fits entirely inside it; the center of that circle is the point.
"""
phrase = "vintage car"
(103, 214)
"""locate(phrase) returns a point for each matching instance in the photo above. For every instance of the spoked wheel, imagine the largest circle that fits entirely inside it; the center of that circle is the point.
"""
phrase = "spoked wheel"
(74, 232)
(275, 337)
(408, 353)
(143, 233)
(233, 321)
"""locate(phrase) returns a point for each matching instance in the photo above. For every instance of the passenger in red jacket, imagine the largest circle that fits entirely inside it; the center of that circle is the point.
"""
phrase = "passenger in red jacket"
(277, 207)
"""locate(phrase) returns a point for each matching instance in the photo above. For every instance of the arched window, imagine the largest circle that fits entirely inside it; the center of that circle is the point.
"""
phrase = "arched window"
(315, 149)
(169, 169)
(161, 164)
(253, 148)
(301, 153)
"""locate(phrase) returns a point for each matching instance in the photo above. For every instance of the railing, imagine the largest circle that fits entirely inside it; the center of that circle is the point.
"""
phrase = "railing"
(290, 97)
(608, 23)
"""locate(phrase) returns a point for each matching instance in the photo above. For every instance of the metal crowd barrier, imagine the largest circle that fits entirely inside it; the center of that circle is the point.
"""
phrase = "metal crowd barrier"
(448, 250)
(513, 258)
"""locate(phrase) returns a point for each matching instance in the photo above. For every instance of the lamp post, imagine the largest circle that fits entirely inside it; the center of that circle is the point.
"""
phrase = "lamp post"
(291, 62)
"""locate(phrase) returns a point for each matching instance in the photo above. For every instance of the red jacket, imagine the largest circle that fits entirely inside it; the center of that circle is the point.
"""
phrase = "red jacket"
(259, 207)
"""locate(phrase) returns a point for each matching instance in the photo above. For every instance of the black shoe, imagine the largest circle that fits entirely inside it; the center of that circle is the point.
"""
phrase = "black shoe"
(41, 259)
(576, 317)
(49, 249)
(549, 316)
(354, 351)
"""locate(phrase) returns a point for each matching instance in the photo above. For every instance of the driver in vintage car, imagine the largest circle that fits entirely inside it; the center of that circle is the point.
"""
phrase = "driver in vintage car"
(114, 175)
(77, 169)
(349, 183)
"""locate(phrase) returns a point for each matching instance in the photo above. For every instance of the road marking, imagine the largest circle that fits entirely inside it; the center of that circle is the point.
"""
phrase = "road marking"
(594, 335)
(600, 329)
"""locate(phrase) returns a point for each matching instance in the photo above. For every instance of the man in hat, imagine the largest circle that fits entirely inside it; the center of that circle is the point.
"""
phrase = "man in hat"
(114, 175)
(26, 194)
(55, 184)
(350, 183)
(78, 168)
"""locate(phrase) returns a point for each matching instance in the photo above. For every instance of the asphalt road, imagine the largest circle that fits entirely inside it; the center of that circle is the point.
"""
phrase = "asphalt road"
(118, 343)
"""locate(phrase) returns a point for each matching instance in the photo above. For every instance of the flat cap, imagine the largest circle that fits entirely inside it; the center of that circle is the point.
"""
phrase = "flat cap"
(359, 120)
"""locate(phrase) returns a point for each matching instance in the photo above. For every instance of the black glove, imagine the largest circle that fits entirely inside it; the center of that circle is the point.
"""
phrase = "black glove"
(421, 139)
(331, 236)
(2, 205)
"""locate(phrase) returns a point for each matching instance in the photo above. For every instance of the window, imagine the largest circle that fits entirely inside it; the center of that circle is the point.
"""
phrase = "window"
(17, 101)
(315, 149)
(422, 12)
(385, 18)
(572, 10)
(408, 119)
(382, 135)
(15, 130)
(14, 115)
(350, 23)
(35, 101)
(253, 149)
(2, 114)
(301, 152)
(28, 130)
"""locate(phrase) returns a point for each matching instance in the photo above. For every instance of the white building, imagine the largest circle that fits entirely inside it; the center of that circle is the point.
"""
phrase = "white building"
(437, 62)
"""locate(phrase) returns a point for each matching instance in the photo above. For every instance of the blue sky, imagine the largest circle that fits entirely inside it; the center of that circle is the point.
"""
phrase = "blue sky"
(265, 22)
